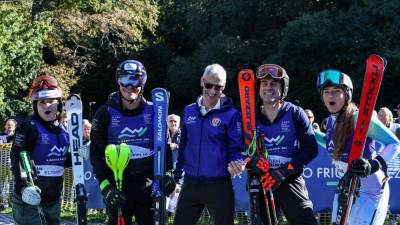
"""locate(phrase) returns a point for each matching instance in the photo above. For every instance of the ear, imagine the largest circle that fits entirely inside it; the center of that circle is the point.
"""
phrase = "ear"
(201, 82)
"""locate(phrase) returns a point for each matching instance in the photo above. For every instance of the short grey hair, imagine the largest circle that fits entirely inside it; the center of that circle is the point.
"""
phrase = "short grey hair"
(215, 69)
(174, 116)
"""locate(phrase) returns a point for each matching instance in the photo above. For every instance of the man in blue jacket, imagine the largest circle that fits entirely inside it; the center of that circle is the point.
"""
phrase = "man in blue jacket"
(211, 141)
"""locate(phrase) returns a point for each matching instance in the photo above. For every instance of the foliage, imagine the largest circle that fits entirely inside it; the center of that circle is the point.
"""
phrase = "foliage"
(91, 38)
(304, 37)
(20, 55)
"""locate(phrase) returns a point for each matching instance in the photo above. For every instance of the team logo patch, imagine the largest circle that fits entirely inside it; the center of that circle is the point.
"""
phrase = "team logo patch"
(215, 122)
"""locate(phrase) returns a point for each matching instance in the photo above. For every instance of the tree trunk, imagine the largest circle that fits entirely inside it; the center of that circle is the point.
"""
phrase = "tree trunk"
(36, 9)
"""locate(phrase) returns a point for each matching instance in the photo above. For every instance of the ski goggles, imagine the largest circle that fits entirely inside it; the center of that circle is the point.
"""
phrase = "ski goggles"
(44, 81)
(272, 70)
(134, 81)
(333, 77)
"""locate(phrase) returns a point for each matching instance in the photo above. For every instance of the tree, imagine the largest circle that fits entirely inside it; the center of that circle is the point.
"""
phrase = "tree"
(20, 54)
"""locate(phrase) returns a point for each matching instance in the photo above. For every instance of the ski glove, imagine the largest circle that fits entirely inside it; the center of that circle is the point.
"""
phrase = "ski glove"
(271, 178)
(113, 197)
(363, 167)
(31, 195)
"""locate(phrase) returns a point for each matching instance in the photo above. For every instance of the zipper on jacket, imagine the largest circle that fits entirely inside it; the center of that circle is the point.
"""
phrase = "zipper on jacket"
(201, 140)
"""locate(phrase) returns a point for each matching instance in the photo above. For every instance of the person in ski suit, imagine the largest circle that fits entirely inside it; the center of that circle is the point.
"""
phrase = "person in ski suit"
(370, 207)
(127, 117)
(211, 141)
(47, 145)
(290, 144)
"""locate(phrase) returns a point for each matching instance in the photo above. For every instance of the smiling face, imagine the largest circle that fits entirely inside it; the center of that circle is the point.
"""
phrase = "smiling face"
(270, 90)
(10, 127)
(213, 86)
(334, 98)
(47, 109)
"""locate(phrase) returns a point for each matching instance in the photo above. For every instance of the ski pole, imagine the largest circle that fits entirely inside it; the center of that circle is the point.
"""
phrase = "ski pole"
(111, 154)
(117, 163)
(123, 160)
(26, 163)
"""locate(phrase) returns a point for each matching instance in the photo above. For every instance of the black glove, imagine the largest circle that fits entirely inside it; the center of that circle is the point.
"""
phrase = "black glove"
(363, 167)
(278, 175)
(113, 197)
(169, 185)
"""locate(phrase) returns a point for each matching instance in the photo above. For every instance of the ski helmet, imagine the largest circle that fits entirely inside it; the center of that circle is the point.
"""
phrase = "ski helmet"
(44, 87)
(276, 72)
(131, 73)
(333, 77)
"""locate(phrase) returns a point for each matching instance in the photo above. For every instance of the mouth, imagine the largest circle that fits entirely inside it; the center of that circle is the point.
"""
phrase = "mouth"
(331, 103)
(47, 112)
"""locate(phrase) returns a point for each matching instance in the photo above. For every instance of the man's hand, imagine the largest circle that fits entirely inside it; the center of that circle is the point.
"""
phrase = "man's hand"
(31, 195)
(235, 168)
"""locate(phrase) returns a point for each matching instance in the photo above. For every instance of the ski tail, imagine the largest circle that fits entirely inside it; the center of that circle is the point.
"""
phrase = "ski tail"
(74, 115)
(372, 81)
(160, 104)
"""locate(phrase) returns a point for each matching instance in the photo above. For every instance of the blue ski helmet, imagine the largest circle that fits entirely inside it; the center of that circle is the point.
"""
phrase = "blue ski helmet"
(131, 73)
(333, 77)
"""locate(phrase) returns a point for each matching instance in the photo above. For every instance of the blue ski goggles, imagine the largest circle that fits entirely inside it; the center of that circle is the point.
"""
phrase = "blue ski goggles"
(134, 81)
(333, 77)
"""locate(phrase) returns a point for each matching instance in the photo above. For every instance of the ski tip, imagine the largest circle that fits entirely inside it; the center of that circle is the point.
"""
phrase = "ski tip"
(378, 59)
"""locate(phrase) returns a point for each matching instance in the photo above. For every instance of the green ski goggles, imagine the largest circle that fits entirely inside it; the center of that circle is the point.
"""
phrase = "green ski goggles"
(333, 77)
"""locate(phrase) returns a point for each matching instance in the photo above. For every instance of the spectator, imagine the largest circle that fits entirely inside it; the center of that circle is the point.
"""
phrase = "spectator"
(174, 135)
(386, 117)
(64, 121)
(86, 131)
(311, 117)
(9, 129)
(397, 110)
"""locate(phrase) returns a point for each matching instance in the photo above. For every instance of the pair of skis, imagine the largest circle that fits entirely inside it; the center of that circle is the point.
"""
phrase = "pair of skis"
(372, 82)
(254, 145)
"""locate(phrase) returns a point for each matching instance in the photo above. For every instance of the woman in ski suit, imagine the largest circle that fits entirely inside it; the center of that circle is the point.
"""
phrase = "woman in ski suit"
(46, 144)
(370, 207)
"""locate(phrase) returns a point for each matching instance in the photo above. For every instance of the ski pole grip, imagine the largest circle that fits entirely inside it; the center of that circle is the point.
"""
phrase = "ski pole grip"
(25, 162)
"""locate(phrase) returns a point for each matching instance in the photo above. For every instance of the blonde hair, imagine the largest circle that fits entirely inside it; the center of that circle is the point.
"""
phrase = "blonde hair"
(389, 114)
(343, 129)
(86, 123)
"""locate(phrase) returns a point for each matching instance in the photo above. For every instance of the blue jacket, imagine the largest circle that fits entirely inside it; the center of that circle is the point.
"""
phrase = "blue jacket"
(290, 137)
(209, 142)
